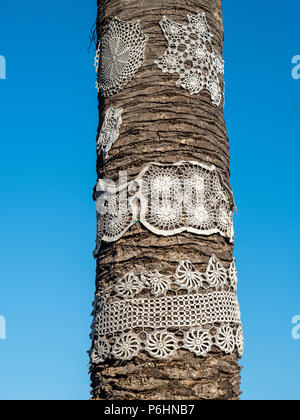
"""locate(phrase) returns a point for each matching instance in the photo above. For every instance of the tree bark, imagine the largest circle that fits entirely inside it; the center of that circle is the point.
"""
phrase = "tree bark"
(163, 123)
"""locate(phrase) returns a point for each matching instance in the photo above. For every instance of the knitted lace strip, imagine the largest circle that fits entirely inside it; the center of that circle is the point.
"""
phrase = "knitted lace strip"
(168, 312)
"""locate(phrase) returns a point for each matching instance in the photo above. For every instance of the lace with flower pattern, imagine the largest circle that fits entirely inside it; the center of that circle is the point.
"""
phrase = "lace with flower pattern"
(189, 310)
(170, 199)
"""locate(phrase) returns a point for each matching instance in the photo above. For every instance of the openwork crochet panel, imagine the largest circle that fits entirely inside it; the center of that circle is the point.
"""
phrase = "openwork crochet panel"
(191, 55)
(188, 310)
(110, 130)
(119, 56)
(168, 199)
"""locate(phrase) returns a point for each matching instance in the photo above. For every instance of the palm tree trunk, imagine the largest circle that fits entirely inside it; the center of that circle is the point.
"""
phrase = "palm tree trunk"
(163, 123)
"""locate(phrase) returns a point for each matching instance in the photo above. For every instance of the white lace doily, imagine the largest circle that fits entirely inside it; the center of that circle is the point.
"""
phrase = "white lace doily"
(167, 200)
(119, 56)
(189, 310)
(110, 130)
(191, 55)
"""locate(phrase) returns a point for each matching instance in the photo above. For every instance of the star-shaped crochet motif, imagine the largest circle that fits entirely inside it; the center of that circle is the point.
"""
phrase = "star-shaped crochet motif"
(190, 53)
(120, 54)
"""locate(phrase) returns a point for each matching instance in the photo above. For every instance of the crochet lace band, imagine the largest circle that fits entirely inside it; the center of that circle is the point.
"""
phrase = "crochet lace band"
(188, 310)
(167, 199)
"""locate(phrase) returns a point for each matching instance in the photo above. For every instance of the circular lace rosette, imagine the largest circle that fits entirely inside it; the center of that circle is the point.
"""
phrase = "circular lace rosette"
(224, 219)
(200, 216)
(216, 274)
(233, 275)
(188, 277)
(163, 182)
(161, 345)
(196, 182)
(129, 286)
(240, 341)
(126, 347)
(158, 283)
(120, 54)
(100, 351)
(160, 314)
(114, 224)
(198, 341)
(225, 339)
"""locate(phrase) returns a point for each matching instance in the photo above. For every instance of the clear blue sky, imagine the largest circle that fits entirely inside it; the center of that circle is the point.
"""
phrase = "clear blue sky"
(47, 163)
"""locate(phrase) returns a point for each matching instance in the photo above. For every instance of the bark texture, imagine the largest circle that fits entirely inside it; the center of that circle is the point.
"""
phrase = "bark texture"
(163, 123)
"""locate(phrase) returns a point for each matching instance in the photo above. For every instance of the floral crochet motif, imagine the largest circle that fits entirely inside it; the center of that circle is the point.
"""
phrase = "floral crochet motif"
(170, 199)
(158, 283)
(190, 310)
(240, 341)
(191, 55)
(126, 347)
(216, 273)
(188, 277)
(110, 130)
(161, 345)
(119, 56)
(129, 286)
(198, 341)
(225, 339)
(233, 275)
